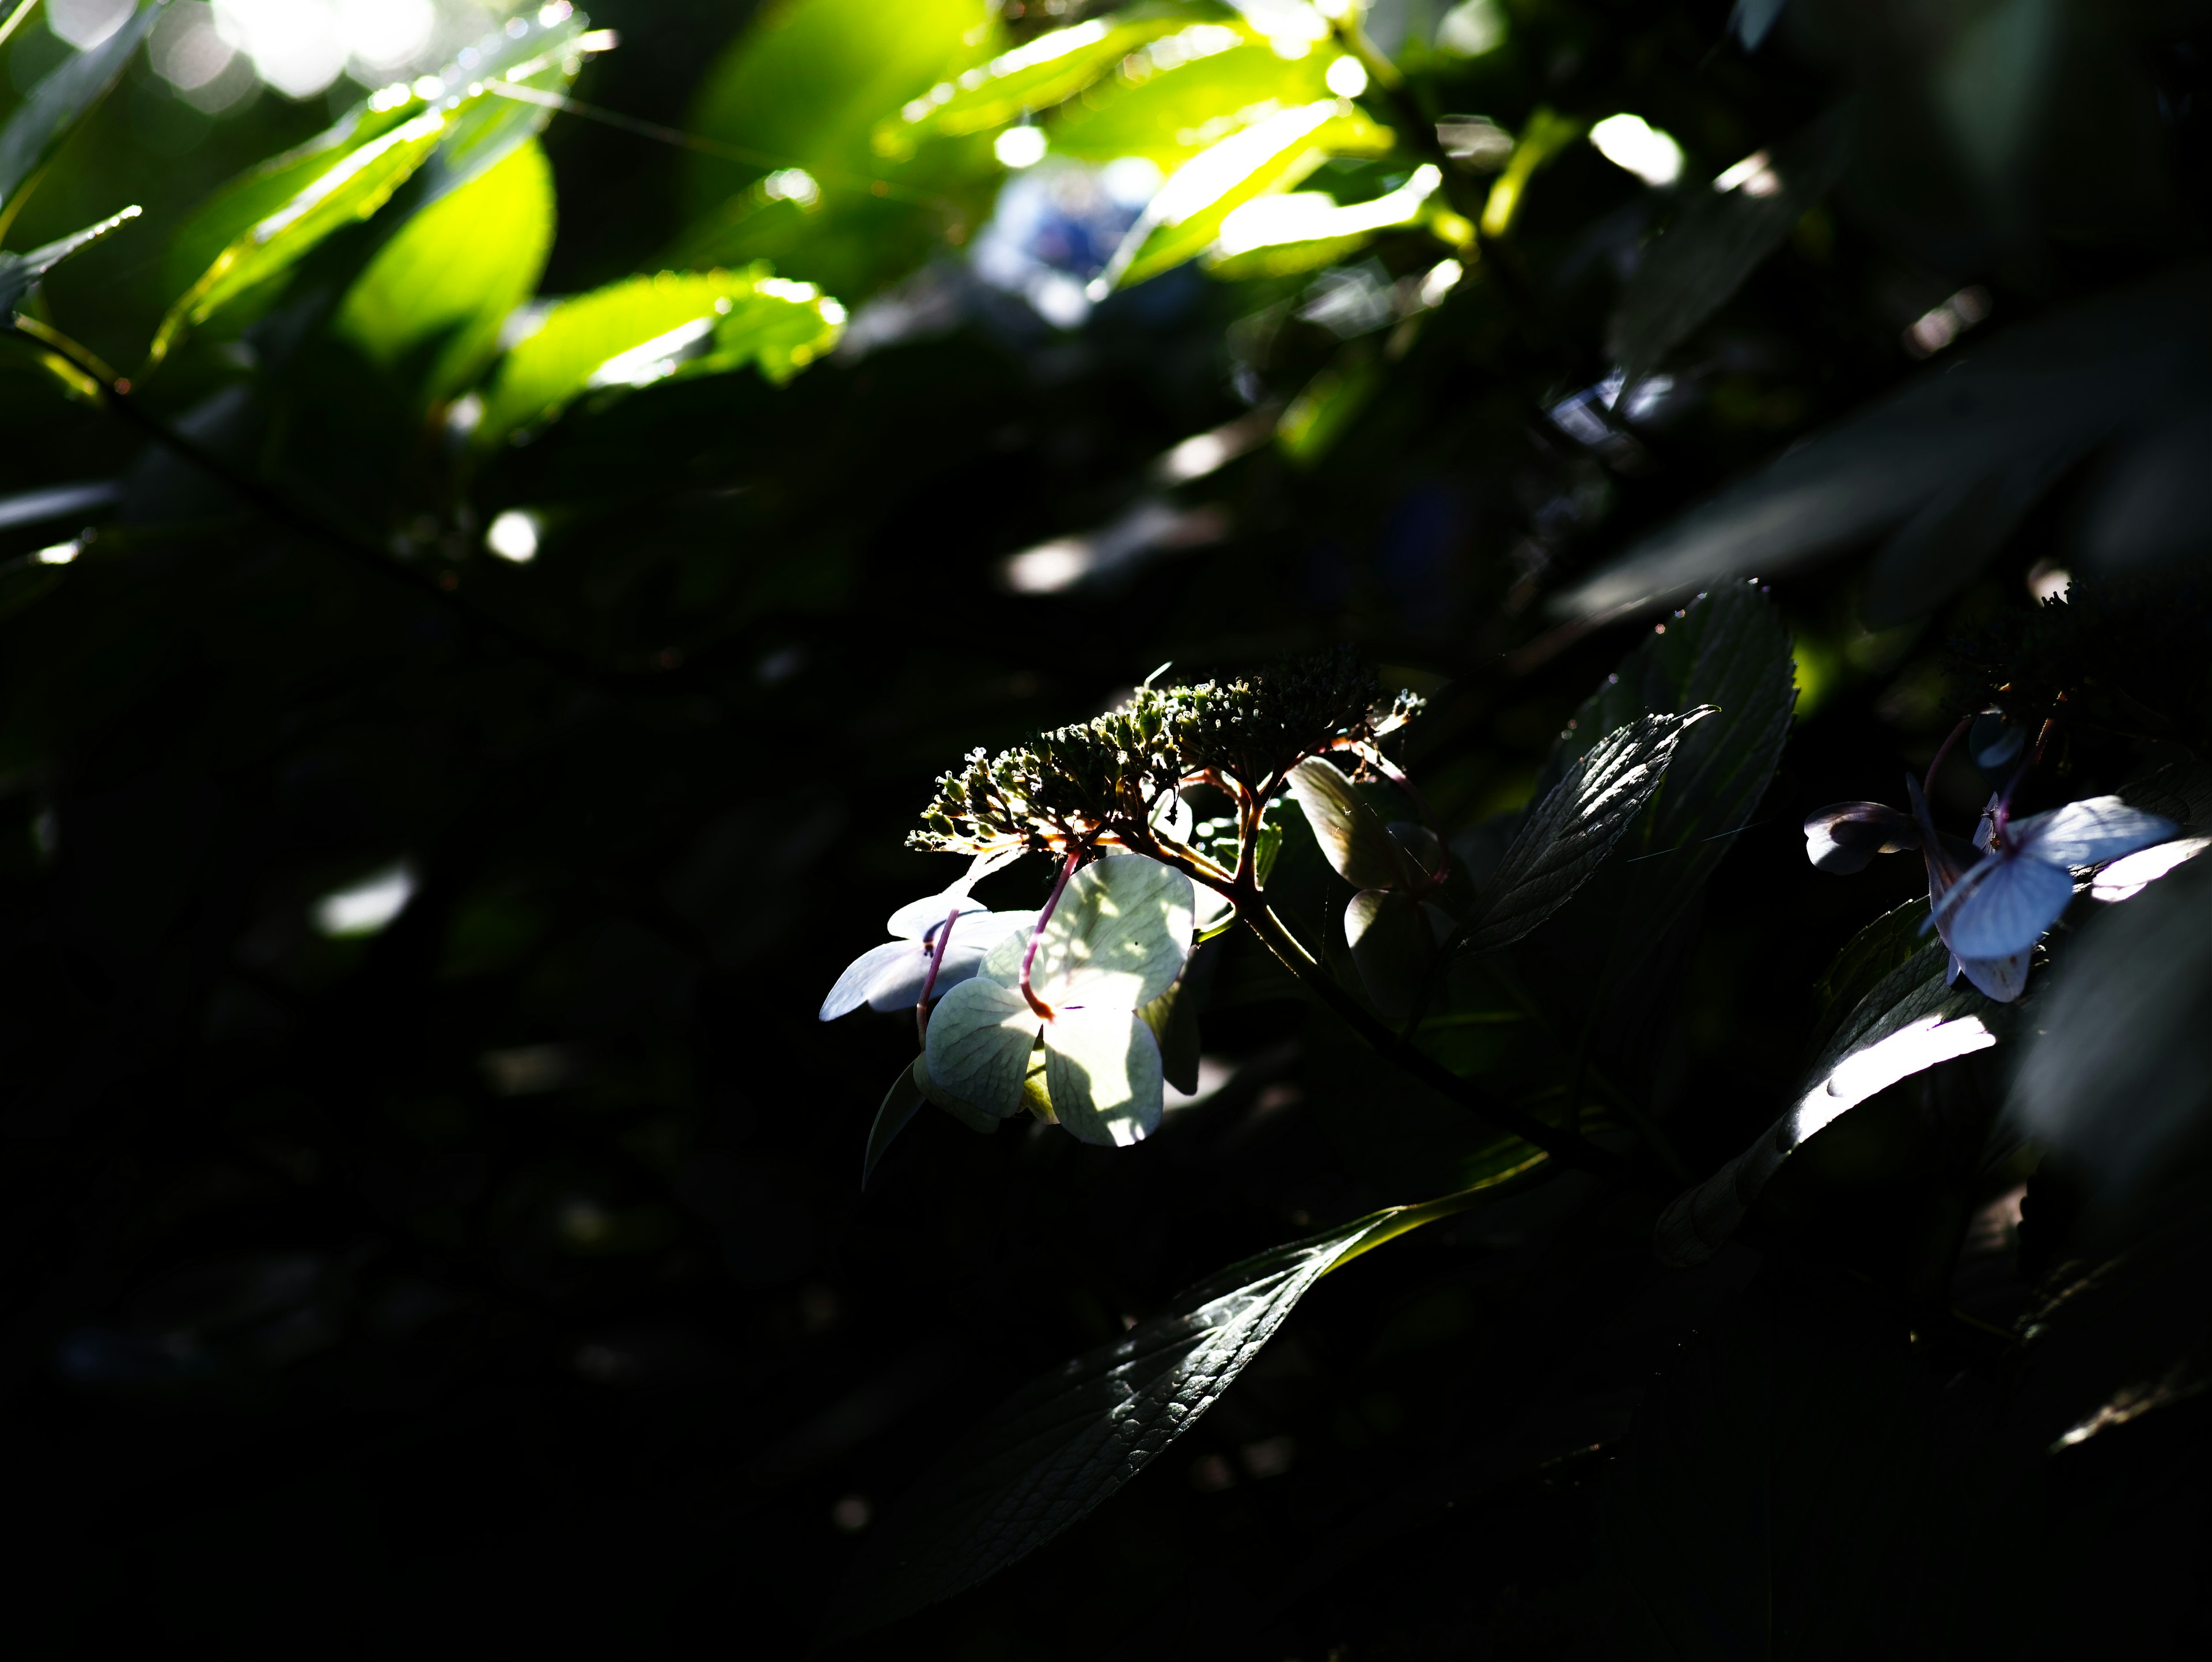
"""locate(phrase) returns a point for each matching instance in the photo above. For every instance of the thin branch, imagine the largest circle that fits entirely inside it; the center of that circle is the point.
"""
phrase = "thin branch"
(116, 398)
(1568, 1151)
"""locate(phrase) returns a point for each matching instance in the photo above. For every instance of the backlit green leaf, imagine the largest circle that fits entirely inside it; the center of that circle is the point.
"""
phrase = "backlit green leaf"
(260, 227)
(1184, 219)
(804, 89)
(643, 330)
(1172, 113)
(1351, 834)
(1045, 71)
(354, 184)
(431, 303)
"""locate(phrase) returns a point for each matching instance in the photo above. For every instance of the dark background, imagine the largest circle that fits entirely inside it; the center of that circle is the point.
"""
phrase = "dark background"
(321, 1337)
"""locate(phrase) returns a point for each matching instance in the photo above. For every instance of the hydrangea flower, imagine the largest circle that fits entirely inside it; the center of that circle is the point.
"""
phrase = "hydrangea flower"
(1115, 940)
(2002, 977)
(895, 974)
(2002, 903)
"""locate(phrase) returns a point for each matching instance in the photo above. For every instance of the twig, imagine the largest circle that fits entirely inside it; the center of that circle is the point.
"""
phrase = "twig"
(1573, 1152)
(115, 397)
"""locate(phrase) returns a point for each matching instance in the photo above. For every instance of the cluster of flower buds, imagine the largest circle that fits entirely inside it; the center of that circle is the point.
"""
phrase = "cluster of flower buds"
(1104, 782)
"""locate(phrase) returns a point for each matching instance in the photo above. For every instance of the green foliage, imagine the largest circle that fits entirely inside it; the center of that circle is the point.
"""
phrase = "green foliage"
(645, 330)
(1055, 1450)
(38, 126)
(433, 299)
(807, 88)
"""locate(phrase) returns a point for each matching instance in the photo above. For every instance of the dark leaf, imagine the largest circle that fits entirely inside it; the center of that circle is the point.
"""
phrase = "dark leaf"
(19, 271)
(2182, 791)
(2118, 1074)
(2151, 504)
(1728, 651)
(1909, 1022)
(1720, 237)
(2055, 385)
(57, 103)
(1054, 1451)
(1938, 551)
(1392, 946)
(1567, 836)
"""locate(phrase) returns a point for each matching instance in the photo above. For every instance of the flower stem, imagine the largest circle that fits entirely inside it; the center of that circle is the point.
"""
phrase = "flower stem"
(929, 981)
(1567, 1150)
(1927, 785)
(1037, 934)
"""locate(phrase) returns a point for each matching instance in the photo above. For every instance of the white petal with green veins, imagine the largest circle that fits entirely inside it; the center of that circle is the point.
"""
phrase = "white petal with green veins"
(1102, 1068)
(980, 1038)
(1118, 937)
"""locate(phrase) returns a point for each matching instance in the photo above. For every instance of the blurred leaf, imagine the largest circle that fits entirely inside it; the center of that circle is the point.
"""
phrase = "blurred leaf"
(2150, 503)
(1173, 113)
(1567, 836)
(805, 86)
(1545, 135)
(643, 330)
(1357, 844)
(2062, 382)
(1944, 546)
(1326, 408)
(262, 225)
(18, 273)
(1909, 1023)
(1037, 75)
(529, 55)
(1717, 240)
(1052, 1453)
(1183, 219)
(431, 303)
(2118, 1073)
(348, 186)
(1729, 649)
(233, 211)
(58, 102)
(1753, 19)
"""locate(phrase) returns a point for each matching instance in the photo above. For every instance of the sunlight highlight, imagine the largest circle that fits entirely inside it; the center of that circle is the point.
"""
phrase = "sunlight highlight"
(1631, 142)
(367, 907)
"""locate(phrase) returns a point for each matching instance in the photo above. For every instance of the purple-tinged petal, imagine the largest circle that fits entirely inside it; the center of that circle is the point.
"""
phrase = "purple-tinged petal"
(2003, 979)
(2007, 909)
(2089, 832)
(1844, 837)
(876, 967)
(917, 917)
